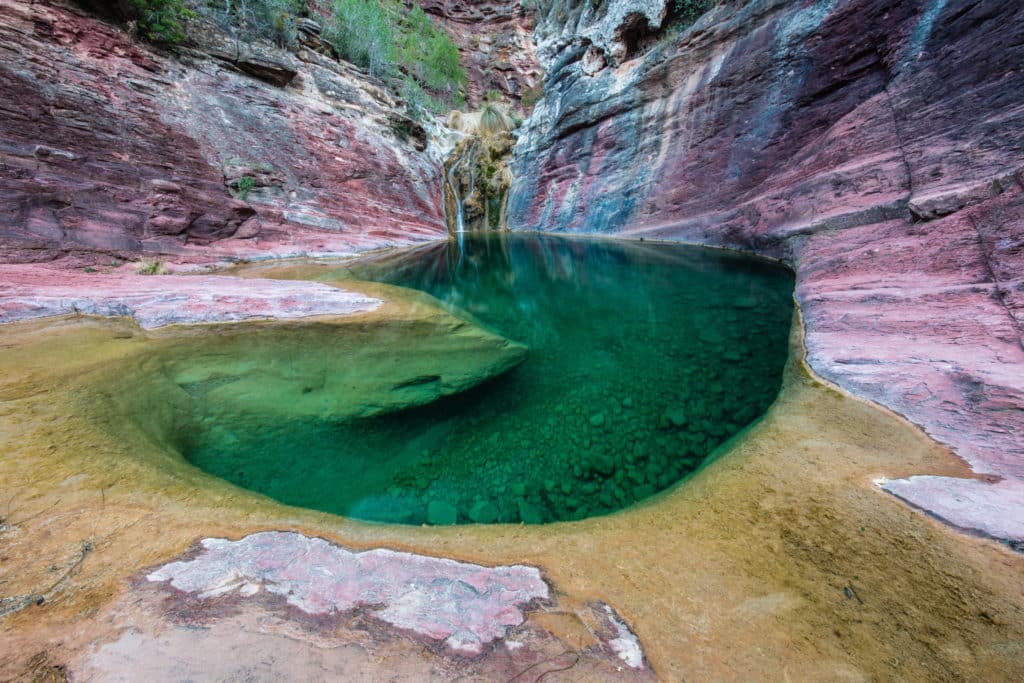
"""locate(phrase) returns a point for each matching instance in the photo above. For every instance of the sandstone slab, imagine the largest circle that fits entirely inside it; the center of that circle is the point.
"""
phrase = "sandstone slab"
(159, 300)
(995, 509)
(464, 606)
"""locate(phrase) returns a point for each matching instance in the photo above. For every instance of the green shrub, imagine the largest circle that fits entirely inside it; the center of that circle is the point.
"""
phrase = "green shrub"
(531, 96)
(389, 40)
(441, 66)
(159, 21)
(362, 31)
(245, 185)
(689, 11)
(494, 120)
(416, 98)
(270, 19)
(150, 268)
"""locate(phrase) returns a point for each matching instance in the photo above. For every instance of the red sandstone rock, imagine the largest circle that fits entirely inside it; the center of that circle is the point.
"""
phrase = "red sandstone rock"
(466, 608)
(494, 41)
(153, 301)
(874, 145)
(994, 509)
(108, 146)
(463, 605)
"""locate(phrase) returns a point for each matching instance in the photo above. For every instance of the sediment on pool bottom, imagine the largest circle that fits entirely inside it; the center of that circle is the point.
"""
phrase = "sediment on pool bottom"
(642, 362)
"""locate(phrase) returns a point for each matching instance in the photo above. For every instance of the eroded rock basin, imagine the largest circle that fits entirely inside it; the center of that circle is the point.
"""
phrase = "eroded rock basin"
(779, 557)
(641, 362)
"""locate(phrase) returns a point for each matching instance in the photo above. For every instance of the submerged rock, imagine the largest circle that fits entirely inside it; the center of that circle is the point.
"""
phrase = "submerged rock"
(441, 512)
(407, 352)
(674, 417)
(529, 514)
(484, 512)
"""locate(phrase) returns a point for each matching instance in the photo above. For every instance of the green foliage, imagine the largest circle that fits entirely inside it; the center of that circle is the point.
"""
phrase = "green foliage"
(531, 96)
(428, 54)
(689, 11)
(494, 120)
(275, 19)
(362, 31)
(160, 21)
(493, 95)
(388, 40)
(416, 98)
(245, 185)
(270, 19)
(443, 67)
(150, 268)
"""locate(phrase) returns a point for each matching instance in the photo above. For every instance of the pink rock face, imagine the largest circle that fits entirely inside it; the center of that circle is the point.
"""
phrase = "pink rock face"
(464, 606)
(884, 163)
(157, 300)
(494, 42)
(107, 146)
(910, 317)
(995, 509)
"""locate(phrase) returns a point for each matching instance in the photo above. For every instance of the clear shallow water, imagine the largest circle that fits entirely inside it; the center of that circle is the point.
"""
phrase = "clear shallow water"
(643, 358)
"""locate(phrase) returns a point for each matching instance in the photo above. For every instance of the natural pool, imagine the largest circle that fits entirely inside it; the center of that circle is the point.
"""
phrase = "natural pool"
(642, 359)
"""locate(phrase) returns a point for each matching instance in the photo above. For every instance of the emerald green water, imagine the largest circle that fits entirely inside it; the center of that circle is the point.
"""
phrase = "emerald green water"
(643, 358)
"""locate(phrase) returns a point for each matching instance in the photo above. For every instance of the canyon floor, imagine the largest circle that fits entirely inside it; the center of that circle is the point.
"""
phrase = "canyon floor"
(868, 527)
(782, 558)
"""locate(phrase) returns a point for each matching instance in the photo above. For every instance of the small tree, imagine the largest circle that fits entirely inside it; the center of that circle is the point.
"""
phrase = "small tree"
(270, 19)
(362, 32)
(689, 11)
(160, 21)
(388, 40)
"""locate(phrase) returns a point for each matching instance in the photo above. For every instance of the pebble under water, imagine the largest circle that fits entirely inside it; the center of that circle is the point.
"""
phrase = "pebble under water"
(642, 359)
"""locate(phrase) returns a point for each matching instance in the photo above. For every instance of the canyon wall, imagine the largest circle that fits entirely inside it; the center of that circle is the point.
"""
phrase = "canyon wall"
(877, 146)
(109, 148)
(495, 41)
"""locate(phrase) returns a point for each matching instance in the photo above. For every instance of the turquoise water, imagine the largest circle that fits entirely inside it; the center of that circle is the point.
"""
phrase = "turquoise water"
(643, 358)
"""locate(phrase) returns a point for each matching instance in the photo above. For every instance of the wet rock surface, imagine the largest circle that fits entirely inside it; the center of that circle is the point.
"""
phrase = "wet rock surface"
(883, 162)
(703, 600)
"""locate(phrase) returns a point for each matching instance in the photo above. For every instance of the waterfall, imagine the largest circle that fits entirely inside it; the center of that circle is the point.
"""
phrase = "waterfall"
(453, 185)
(476, 182)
